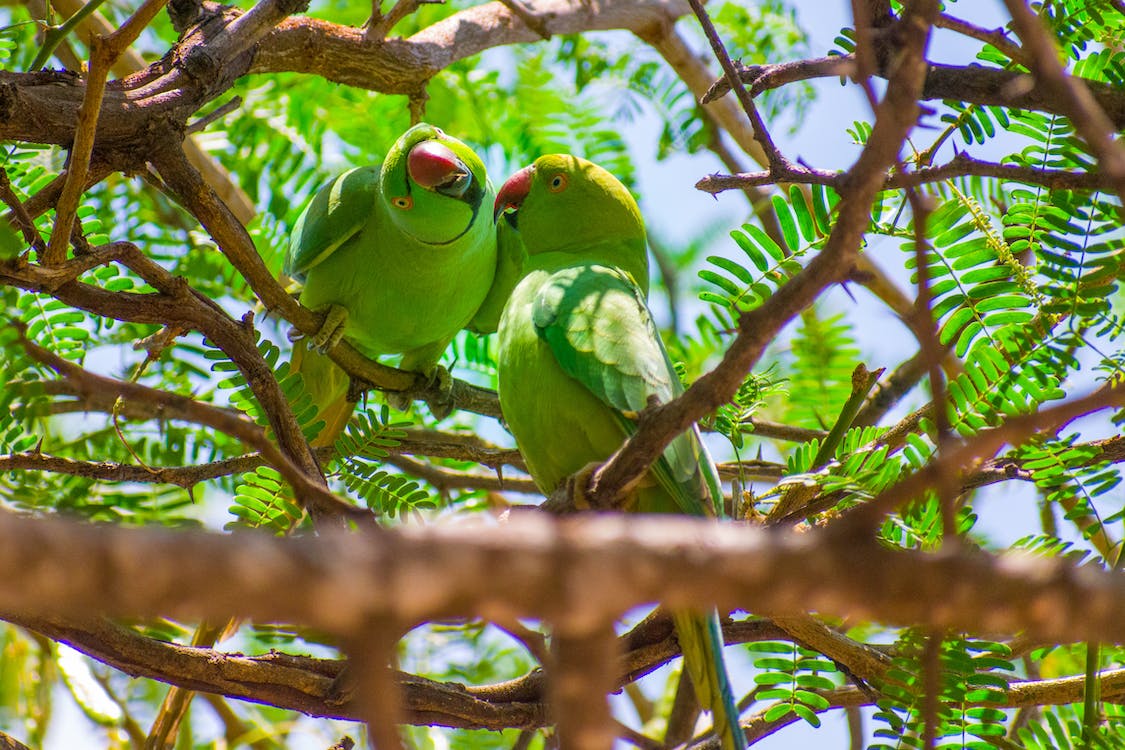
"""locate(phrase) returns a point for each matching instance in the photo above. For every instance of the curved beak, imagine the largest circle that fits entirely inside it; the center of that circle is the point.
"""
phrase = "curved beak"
(434, 167)
(513, 192)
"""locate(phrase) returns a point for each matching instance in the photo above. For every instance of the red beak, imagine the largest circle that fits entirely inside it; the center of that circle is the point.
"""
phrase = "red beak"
(432, 165)
(513, 192)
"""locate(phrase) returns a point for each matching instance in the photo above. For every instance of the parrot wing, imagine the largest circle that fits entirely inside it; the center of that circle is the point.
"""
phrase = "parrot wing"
(599, 329)
(337, 212)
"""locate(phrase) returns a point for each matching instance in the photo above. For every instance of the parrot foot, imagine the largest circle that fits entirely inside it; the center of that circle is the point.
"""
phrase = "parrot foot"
(331, 330)
(400, 400)
(438, 394)
(577, 483)
(342, 688)
(441, 403)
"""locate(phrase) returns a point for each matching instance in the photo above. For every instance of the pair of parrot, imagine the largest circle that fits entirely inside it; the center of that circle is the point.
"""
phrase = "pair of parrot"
(560, 268)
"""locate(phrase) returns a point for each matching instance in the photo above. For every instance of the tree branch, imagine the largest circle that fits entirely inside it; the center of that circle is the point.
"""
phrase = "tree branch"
(998, 38)
(1014, 431)
(413, 574)
(961, 165)
(305, 684)
(975, 84)
(317, 495)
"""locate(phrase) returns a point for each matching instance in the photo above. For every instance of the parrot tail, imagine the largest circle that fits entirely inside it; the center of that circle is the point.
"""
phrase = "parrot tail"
(327, 384)
(701, 640)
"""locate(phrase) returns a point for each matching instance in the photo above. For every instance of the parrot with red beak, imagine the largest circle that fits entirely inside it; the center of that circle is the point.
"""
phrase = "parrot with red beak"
(398, 256)
(579, 358)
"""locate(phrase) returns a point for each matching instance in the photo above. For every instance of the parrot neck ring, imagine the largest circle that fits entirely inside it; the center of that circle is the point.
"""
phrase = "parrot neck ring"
(435, 167)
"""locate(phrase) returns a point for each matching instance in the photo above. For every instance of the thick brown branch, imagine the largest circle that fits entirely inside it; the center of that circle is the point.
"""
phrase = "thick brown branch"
(305, 684)
(402, 66)
(42, 107)
(413, 574)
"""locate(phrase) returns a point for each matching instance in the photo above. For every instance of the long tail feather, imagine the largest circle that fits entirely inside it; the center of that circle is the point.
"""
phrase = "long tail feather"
(327, 384)
(702, 642)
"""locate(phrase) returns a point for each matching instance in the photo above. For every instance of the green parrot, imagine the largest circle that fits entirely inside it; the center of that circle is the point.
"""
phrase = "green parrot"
(399, 256)
(579, 357)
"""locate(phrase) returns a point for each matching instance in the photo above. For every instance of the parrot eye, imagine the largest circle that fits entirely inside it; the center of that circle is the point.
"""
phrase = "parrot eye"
(405, 203)
(557, 183)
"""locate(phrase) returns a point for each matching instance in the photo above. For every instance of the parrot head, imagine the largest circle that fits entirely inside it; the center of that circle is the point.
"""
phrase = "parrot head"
(563, 203)
(434, 185)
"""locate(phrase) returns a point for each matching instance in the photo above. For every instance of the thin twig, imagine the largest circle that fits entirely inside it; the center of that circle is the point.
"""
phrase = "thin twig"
(216, 114)
(1014, 431)
(22, 219)
(962, 165)
(972, 84)
(204, 414)
(796, 496)
(108, 471)
(447, 479)
(103, 52)
(998, 38)
(892, 389)
(380, 25)
(925, 329)
(761, 134)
